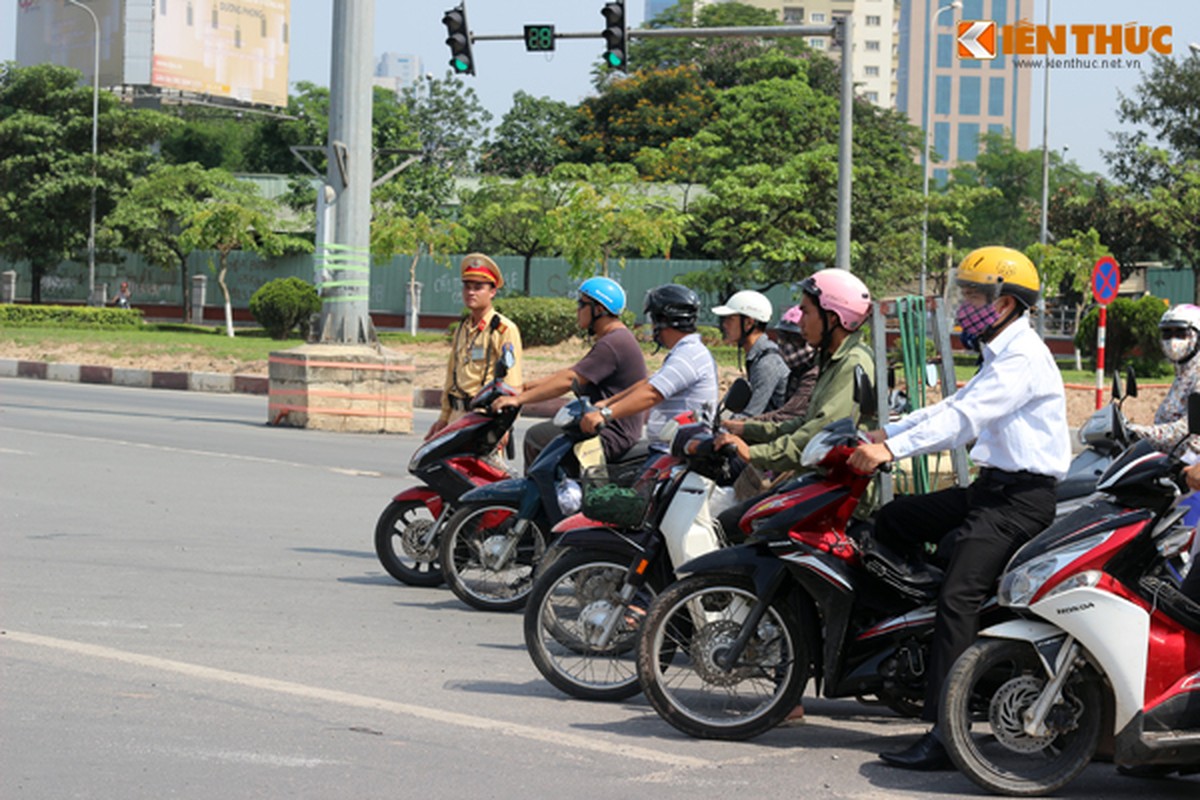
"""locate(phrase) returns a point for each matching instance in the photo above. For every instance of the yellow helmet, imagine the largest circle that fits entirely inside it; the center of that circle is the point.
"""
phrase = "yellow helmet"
(997, 271)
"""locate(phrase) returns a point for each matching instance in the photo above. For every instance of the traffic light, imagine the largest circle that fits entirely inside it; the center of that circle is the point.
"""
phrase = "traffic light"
(616, 32)
(459, 39)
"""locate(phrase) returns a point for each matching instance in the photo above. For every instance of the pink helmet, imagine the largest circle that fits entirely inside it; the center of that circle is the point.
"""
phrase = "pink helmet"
(790, 321)
(839, 291)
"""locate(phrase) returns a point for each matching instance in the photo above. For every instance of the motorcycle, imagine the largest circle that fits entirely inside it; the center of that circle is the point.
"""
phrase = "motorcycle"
(582, 617)
(498, 532)
(456, 460)
(1104, 633)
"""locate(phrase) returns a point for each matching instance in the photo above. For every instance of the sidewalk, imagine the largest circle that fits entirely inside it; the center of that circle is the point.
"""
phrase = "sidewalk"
(198, 382)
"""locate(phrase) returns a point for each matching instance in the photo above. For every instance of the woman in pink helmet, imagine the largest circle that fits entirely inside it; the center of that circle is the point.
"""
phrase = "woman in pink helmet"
(834, 304)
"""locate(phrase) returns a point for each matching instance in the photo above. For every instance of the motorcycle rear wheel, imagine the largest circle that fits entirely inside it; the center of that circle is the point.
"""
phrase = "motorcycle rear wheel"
(471, 545)
(693, 621)
(396, 546)
(989, 687)
(570, 601)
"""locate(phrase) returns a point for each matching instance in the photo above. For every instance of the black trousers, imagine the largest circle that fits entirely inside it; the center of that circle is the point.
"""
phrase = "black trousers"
(976, 530)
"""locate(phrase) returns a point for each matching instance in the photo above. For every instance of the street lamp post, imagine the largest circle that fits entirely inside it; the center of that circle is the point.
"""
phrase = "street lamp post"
(95, 151)
(925, 154)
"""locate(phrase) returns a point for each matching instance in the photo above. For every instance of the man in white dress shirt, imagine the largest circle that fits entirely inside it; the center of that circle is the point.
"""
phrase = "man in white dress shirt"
(1015, 411)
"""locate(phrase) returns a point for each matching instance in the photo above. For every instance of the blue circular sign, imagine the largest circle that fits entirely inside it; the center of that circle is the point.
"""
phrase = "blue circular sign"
(1106, 280)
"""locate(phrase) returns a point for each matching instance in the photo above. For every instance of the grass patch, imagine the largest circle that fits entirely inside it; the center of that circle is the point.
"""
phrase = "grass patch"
(151, 340)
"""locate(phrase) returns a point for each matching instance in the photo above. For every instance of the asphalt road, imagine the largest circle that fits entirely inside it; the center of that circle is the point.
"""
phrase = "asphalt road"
(190, 607)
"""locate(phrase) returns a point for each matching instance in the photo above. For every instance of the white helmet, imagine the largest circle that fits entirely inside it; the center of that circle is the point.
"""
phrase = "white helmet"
(1179, 330)
(750, 304)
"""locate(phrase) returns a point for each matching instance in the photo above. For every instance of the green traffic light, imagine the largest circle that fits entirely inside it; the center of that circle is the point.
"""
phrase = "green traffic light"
(614, 59)
(461, 65)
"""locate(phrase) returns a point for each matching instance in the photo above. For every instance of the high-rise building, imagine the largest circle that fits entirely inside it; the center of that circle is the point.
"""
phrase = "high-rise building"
(874, 35)
(396, 70)
(970, 97)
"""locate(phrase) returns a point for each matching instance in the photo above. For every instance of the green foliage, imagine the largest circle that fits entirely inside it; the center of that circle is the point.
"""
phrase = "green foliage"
(47, 173)
(511, 216)
(606, 213)
(530, 139)
(1131, 334)
(69, 316)
(541, 320)
(283, 304)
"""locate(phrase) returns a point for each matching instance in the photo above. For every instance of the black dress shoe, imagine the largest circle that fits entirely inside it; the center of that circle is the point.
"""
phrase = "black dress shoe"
(927, 754)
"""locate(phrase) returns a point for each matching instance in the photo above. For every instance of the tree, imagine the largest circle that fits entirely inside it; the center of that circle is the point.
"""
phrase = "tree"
(1163, 106)
(418, 234)
(647, 109)
(237, 221)
(606, 214)
(1066, 265)
(149, 218)
(530, 140)
(46, 166)
(513, 216)
(449, 122)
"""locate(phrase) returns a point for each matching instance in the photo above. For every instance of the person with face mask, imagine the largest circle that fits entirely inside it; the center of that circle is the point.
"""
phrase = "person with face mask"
(1015, 410)
(1179, 330)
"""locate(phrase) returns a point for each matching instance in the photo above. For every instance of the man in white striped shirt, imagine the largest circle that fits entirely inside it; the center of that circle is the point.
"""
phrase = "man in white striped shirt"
(1015, 411)
(687, 380)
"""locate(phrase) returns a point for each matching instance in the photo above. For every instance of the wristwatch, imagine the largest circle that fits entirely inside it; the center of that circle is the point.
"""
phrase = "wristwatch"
(606, 413)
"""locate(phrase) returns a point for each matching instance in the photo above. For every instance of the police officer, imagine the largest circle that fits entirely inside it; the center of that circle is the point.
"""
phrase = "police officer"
(1015, 411)
(479, 341)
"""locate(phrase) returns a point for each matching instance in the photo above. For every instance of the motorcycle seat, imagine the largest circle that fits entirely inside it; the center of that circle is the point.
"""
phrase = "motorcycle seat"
(1177, 605)
(1073, 487)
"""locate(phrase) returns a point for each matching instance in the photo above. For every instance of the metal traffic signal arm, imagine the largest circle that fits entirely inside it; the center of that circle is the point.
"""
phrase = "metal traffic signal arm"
(616, 35)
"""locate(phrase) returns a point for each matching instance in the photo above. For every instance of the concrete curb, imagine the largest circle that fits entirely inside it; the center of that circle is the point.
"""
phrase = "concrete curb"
(219, 382)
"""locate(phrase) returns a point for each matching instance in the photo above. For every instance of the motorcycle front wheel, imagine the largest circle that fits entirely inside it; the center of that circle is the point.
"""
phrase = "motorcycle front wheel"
(570, 606)
(404, 545)
(989, 688)
(689, 626)
(485, 561)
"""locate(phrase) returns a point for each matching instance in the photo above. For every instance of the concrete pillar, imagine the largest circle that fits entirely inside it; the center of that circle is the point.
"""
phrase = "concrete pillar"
(8, 286)
(343, 388)
(199, 286)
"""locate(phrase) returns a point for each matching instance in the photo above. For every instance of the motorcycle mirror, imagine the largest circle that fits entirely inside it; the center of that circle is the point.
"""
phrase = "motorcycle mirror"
(1130, 383)
(1117, 391)
(864, 394)
(738, 396)
(1194, 413)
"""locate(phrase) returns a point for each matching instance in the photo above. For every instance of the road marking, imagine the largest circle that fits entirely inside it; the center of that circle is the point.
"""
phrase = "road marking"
(544, 735)
(192, 452)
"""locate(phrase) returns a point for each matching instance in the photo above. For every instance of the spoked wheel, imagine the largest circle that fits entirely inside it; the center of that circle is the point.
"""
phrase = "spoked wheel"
(579, 633)
(486, 563)
(988, 691)
(406, 546)
(693, 623)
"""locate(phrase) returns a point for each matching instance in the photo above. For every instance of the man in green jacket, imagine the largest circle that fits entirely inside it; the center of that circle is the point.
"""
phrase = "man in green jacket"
(835, 305)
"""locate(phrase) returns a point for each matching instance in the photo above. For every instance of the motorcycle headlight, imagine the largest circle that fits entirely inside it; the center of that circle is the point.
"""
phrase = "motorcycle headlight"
(1019, 586)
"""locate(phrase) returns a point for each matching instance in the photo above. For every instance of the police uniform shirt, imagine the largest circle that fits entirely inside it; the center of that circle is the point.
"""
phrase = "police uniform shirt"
(473, 355)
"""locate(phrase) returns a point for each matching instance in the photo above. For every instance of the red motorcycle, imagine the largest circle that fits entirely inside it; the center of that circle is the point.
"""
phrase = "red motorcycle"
(459, 458)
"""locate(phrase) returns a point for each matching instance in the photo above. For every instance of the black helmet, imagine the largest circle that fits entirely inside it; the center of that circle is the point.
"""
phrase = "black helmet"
(672, 306)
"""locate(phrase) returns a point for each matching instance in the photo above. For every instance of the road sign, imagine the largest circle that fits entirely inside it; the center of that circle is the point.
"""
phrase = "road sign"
(1106, 280)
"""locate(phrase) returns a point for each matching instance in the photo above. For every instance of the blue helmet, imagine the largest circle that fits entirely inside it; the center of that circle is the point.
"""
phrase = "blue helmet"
(606, 292)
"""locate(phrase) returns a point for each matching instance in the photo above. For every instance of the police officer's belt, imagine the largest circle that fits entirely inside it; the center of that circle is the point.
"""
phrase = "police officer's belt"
(459, 403)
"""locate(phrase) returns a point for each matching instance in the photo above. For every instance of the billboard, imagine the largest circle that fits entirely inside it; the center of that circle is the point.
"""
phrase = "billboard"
(229, 48)
(235, 49)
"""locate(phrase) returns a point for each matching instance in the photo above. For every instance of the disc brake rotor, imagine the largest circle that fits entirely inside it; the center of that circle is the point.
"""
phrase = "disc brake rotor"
(1006, 714)
(417, 543)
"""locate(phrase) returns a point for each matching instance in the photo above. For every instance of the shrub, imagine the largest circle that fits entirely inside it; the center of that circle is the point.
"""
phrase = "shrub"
(541, 320)
(69, 316)
(1131, 335)
(284, 303)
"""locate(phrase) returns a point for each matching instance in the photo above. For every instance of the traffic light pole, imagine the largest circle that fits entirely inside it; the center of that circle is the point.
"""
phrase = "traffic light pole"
(839, 31)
